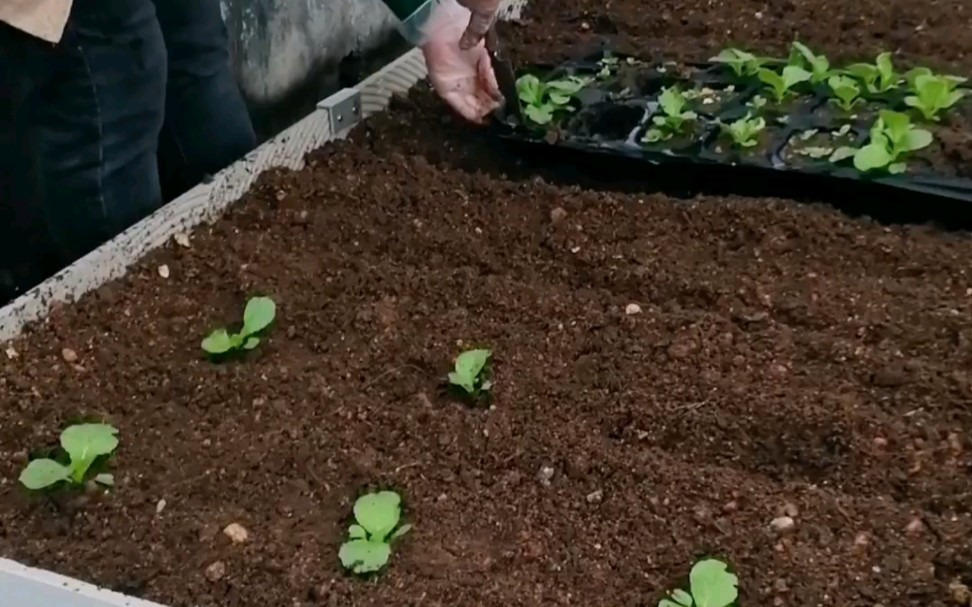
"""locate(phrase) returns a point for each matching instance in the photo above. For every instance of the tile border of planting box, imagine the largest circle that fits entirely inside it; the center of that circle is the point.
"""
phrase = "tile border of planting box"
(22, 586)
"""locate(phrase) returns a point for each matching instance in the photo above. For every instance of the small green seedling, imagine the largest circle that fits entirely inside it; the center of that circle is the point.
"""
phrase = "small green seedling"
(780, 85)
(608, 64)
(542, 100)
(879, 77)
(471, 373)
(376, 526)
(934, 94)
(819, 65)
(745, 131)
(911, 78)
(846, 92)
(83, 443)
(893, 137)
(259, 313)
(710, 585)
(743, 64)
(673, 119)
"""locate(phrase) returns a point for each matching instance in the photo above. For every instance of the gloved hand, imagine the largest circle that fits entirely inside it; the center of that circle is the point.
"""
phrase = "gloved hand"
(464, 78)
(483, 16)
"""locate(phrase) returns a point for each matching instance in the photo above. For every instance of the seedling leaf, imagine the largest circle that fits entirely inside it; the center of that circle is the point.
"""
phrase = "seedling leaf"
(819, 64)
(86, 442)
(678, 598)
(712, 584)
(469, 367)
(401, 531)
(364, 556)
(218, 342)
(43, 473)
(259, 313)
(378, 513)
(357, 532)
(251, 343)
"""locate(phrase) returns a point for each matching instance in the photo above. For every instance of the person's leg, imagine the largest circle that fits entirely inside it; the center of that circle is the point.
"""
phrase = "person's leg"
(91, 119)
(207, 126)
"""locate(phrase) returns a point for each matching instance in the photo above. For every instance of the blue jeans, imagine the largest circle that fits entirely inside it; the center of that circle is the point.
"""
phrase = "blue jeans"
(135, 104)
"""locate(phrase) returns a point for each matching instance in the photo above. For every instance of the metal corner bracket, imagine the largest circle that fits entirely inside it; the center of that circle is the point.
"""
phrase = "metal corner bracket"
(343, 109)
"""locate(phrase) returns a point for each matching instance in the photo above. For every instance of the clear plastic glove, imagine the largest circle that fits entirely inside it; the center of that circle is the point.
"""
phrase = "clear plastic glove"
(482, 18)
(464, 78)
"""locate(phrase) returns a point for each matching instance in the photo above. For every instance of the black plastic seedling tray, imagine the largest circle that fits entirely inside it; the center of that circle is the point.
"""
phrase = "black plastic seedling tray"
(604, 137)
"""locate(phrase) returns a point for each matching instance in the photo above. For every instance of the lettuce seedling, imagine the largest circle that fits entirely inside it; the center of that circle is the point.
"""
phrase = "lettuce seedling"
(745, 131)
(819, 65)
(742, 63)
(376, 526)
(259, 313)
(877, 78)
(83, 443)
(673, 118)
(541, 100)
(893, 137)
(471, 373)
(846, 91)
(781, 85)
(934, 94)
(911, 78)
(711, 585)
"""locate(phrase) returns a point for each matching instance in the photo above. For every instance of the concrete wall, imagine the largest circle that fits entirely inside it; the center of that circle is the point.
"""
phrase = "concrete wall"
(279, 45)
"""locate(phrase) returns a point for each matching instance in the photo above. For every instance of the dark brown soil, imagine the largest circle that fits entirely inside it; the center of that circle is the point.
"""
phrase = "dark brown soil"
(786, 360)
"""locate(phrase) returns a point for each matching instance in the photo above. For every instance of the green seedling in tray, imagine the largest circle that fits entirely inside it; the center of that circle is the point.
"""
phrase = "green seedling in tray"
(819, 65)
(471, 373)
(742, 63)
(879, 77)
(846, 92)
(673, 119)
(377, 517)
(932, 94)
(780, 85)
(911, 78)
(710, 585)
(259, 313)
(542, 100)
(745, 131)
(892, 138)
(83, 444)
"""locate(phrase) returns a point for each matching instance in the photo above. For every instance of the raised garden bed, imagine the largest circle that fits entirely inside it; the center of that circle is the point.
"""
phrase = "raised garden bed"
(774, 385)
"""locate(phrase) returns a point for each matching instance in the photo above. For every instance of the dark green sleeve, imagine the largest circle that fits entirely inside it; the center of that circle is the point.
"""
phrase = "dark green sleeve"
(412, 14)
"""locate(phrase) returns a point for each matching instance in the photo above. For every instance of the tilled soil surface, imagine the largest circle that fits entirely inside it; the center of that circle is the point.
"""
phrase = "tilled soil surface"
(773, 384)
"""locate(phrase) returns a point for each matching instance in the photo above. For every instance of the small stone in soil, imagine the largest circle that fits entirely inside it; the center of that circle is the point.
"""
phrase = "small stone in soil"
(69, 355)
(545, 475)
(216, 571)
(557, 215)
(783, 524)
(237, 533)
(632, 308)
(595, 497)
(915, 526)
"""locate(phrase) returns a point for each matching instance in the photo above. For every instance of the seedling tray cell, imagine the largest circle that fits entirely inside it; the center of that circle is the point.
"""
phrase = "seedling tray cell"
(608, 133)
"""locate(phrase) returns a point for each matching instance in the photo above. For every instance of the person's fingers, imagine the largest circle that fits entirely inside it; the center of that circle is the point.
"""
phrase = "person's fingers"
(487, 78)
(479, 24)
(467, 106)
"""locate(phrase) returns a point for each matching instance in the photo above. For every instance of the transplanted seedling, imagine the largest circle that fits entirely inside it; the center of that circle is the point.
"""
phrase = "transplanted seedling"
(376, 526)
(745, 131)
(710, 585)
(542, 100)
(673, 119)
(83, 444)
(893, 137)
(819, 65)
(259, 313)
(471, 373)
(932, 94)
(742, 63)
(879, 77)
(780, 85)
(846, 92)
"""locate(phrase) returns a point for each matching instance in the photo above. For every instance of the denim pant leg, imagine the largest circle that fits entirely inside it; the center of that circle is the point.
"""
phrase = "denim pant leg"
(207, 126)
(93, 122)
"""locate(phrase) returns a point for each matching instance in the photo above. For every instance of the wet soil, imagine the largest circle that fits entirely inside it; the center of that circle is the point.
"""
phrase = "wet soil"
(672, 377)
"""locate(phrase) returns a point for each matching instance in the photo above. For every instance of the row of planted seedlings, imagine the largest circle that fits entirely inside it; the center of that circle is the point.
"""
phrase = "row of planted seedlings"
(743, 107)
(86, 457)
